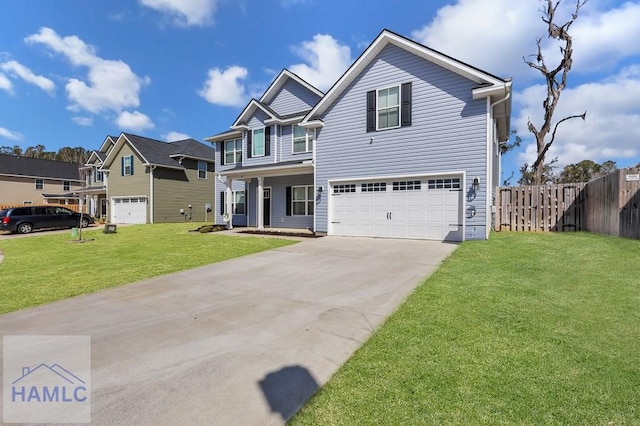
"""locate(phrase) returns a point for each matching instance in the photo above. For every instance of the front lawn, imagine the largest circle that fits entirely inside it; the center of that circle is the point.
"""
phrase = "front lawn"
(527, 329)
(48, 267)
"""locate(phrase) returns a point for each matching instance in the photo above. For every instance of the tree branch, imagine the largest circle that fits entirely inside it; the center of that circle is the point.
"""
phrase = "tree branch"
(542, 154)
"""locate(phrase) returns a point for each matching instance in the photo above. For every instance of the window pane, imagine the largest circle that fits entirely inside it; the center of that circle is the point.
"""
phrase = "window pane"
(299, 146)
(258, 143)
(393, 96)
(299, 193)
(298, 208)
(309, 192)
(229, 158)
(382, 98)
(310, 208)
(299, 132)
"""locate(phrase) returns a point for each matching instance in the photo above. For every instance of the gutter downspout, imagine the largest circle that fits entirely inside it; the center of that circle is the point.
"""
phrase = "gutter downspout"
(489, 200)
(151, 188)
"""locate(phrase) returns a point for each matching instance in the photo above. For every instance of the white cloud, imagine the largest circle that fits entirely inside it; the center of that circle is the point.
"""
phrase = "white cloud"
(175, 136)
(326, 60)
(135, 121)
(5, 83)
(11, 135)
(16, 69)
(112, 85)
(224, 87)
(185, 12)
(83, 121)
(612, 127)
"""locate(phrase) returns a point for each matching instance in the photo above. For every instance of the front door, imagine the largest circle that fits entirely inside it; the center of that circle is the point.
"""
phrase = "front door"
(266, 207)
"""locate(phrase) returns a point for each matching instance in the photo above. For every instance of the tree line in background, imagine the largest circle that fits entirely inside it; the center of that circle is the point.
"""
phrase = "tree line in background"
(77, 155)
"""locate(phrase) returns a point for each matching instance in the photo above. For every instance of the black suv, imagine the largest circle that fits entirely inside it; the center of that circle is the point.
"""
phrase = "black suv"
(25, 219)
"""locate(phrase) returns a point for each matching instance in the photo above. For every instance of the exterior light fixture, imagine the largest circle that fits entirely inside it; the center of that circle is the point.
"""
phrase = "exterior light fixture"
(475, 185)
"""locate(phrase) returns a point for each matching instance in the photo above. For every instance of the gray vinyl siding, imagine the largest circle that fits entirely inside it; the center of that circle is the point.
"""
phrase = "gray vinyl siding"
(278, 185)
(177, 189)
(236, 185)
(448, 131)
(293, 98)
(285, 148)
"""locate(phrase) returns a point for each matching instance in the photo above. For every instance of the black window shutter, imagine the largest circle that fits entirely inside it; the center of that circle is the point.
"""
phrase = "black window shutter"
(221, 202)
(222, 154)
(371, 111)
(406, 105)
(131, 156)
(288, 213)
(267, 141)
(249, 143)
(122, 166)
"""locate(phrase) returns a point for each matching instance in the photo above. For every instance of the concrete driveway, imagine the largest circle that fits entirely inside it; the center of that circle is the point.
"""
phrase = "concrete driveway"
(242, 342)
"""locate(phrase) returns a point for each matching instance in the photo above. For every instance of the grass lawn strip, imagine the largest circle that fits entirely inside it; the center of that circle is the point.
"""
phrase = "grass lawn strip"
(520, 329)
(46, 268)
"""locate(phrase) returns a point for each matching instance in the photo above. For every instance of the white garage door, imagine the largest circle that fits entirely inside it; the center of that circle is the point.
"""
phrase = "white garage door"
(421, 208)
(129, 210)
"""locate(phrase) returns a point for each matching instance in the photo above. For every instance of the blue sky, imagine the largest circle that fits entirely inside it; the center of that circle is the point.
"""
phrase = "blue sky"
(74, 71)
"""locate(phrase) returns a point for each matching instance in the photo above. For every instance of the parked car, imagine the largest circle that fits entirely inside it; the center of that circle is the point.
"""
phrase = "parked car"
(25, 219)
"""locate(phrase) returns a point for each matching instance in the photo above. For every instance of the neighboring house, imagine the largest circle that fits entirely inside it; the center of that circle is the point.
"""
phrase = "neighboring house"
(404, 145)
(144, 180)
(33, 181)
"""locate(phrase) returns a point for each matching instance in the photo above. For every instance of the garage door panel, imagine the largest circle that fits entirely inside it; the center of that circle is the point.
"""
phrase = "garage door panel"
(401, 208)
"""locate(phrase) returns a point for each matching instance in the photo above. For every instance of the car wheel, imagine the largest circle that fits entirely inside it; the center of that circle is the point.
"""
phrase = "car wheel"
(25, 228)
(84, 223)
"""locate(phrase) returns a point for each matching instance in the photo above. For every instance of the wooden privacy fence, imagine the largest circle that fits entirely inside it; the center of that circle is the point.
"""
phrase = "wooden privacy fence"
(608, 205)
(540, 208)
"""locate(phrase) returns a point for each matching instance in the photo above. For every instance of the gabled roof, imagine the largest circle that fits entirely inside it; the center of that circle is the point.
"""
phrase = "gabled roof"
(229, 134)
(96, 157)
(267, 97)
(37, 168)
(109, 141)
(488, 84)
(162, 154)
(280, 80)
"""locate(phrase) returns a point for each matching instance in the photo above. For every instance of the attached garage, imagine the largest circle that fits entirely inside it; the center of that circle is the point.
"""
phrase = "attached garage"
(129, 210)
(428, 207)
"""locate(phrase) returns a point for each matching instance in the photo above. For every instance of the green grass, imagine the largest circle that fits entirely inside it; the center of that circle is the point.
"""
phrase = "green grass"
(526, 329)
(41, 269)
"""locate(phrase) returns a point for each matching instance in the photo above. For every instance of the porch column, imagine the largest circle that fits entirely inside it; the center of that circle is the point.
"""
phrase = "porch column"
(229, 199)
(260, 207)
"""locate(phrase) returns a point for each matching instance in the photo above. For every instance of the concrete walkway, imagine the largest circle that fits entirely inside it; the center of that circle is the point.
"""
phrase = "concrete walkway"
(242, 342)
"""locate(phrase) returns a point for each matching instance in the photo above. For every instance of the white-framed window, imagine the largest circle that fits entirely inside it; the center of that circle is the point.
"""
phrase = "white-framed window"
(233, 151)
(300, 141)
(202, 169)
(388, 108)
(373, 187)
(66, 185)
(302, 200)
(39, 183)
(448, 183)
(257, 142)
(98, 175)
(239, 203)
(344, 188)
(407, 185)
(127, 165)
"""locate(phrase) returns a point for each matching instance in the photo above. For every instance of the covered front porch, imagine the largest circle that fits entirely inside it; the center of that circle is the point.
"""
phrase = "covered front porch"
(280, 196)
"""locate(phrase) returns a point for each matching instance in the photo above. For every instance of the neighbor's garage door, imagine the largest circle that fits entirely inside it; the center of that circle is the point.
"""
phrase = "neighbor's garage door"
(420, 208)
(129, 210)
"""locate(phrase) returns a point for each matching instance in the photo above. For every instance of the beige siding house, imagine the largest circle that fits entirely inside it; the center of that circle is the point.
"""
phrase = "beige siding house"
(149, 181)
(32, 181)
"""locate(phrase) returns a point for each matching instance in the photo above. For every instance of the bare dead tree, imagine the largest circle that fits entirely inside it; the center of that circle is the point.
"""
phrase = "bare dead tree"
(556, 80)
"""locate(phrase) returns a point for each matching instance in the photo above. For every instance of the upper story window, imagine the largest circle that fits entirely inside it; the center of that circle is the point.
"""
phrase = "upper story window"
(127, 165)
(232, 151)
(202, 169)
(98, 175)
(389, 108)
(257, 143)
(39, 183)
(301, 142)
(66, 185)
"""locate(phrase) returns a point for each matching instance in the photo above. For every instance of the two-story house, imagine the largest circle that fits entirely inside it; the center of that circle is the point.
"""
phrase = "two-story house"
(404, 145)
(133, 179)
(34, 181)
